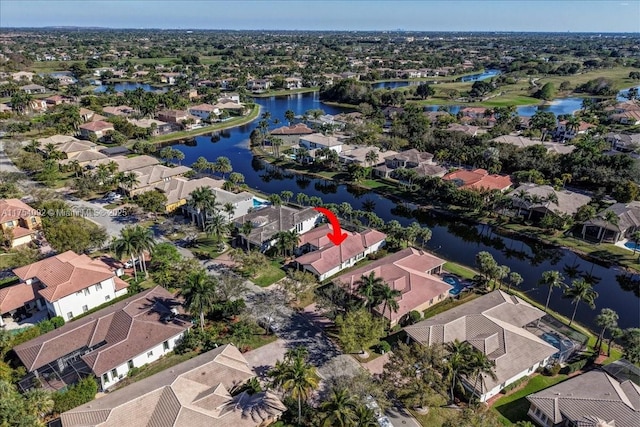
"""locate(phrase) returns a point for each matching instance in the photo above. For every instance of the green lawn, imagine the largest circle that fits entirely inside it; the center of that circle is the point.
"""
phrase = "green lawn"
(513, 407)
(436, 416)
(459, 270)
(271, 274)
(449, 304)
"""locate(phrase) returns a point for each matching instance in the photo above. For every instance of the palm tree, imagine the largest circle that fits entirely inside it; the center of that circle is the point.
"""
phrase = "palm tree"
(580, 290)
(609, 218)
(607, 319)
(199, 293)
(534, 200)
(229, 209)
(245, 230)
(551, 279)
(367, 287)
(223, 165)
(515, 279)
(365, 417)
(127, 244)
(203, 200)
(289, 115)
(39, 402)
(145, 241)
(551, 198)
(338, 410)
(635, 236)
(296, 378)
(457, 362)
(215, 227)
(371, 157)
(130, 180)
(481, 367)
(389, 298)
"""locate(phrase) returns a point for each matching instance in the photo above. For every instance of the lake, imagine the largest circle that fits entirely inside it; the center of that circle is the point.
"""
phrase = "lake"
(452, 240)
(403, 83)
(124, 86)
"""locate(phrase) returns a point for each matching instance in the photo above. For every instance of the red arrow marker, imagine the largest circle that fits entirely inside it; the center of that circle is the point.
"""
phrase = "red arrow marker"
(337, 237)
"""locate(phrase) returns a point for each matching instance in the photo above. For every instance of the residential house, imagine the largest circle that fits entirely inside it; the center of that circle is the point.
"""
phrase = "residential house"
(178, 191)
(33, 89)
(627, 222)
(296, 129)
(204, 111)
(20, 220)
(86, 115)
(120, 111)
(98, 129)
(293, 83)
(155, 127)
(169, 78)
(230, 106)
(194, 393)
(150, 176)
(108, 343)
(64, 80)
(537, 199)
(358, 155)
(37, 105)
(258, 85)
(524, 142)
(54, 100)
(268, 221)
(326, 259)
(631, 118)
(625, 143)
(230, 97)
(350, 75)
(126, 164)
(413, 272)
(495, 325)
(564, 131)
(22, 75)
(227, 83)
(84, 152)
(474, 112)
(17, 301)
(177, 117)
(420, 161)
(466, 129)
(479, 179)
(317, 141)
(593, 399)
(70, 284)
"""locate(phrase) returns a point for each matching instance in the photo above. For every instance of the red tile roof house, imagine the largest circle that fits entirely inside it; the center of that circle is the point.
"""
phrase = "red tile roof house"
(69, 284)
(107, 343)
(479, 179)
(21, 219)
(98, 128)
(176, 117)
(410, 271)
(327, 259)
(204, 111)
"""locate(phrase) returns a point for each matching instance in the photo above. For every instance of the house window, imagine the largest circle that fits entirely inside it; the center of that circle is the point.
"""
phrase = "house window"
(70, 315)
(114, 373)
(86, 291)
(85, 308)
(130, 364)
(99, 287)
(107, 298)
(165, 345)
(105, 378)
(431, 301)
(150, 353)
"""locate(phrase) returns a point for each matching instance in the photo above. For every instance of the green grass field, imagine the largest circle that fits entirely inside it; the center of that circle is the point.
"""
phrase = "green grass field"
(270, 275)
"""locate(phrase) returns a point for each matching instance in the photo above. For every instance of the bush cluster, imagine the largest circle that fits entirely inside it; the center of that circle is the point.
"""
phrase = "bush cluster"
(76, 395)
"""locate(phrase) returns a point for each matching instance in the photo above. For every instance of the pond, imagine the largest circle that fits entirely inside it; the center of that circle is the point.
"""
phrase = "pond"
(451, 239)
(487, 74)
(124, 86)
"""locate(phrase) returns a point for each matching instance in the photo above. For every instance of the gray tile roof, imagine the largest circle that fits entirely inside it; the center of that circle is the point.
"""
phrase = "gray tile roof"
(628, 216)
(272, 219)
(588, 397)
(493, 324)
(568, 201)
(194, 393)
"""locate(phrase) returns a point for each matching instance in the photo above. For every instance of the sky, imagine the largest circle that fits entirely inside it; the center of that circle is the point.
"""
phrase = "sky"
(424, 15)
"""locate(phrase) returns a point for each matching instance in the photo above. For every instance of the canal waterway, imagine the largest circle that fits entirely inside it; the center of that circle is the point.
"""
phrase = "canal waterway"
(451, 239)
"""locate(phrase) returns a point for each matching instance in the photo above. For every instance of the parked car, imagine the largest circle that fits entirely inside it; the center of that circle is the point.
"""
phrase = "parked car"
(129, 264)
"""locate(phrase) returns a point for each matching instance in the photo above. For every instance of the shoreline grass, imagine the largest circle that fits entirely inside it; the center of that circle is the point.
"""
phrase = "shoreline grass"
(285, 92)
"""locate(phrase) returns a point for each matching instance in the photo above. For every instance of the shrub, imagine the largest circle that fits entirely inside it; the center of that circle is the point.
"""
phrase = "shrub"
(383, 347)
(26, 335)
(414, 316)
(190, 341)
(46, 326)
(576, 366)
(514, 385)
(57, 321)
(76, 395)
(134, 371)
(552, 370)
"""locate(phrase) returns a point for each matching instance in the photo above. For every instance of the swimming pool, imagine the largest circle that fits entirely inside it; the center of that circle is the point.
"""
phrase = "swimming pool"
(631, 245)
(458, 286)
(551, 339)
(259, 203)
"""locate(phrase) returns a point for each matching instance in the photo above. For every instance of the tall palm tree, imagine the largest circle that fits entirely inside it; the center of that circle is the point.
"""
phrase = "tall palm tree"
(635, 236)
(199, 292)
(515, 279)
(130, 180)
(229, 209)
(338, 410)
(551, 279)
(580, 290)
(39, 402)
(145, 241)
(389, 298)
(296, 378)
(367, 287)
(127, 244)
(551, 198)
(607, 320)
(245, 230)
(223, 166)
(609, 218)
(203, 201)
(457, 362)
(481, 367)
(365, 417)
(215, 227)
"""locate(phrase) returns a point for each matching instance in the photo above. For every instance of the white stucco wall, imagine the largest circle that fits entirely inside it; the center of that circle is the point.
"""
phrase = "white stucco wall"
(94, 297)
(526, 372)
(140, 360)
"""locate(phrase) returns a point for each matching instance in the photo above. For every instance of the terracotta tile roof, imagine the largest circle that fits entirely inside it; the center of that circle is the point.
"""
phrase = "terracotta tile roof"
(493, 323)
(406, 271)
(96, 126)
(128, 328)
(297, 129)
(150, 175)
(126, 164)
(479, 179)
(585, 398)
(21, 232)
(65, 274)
(11, 209)
(194, 393)
(331, 256)
(13, 297)
(203, 107)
